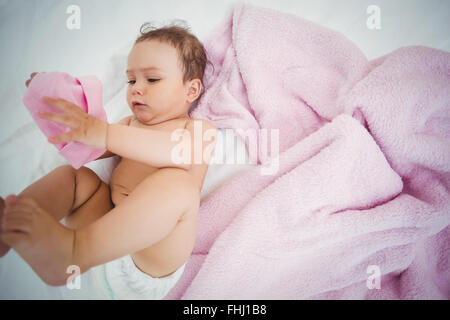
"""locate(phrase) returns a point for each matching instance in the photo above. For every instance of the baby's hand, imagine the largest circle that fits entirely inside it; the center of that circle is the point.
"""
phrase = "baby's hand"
(85, 128)
(27, 83)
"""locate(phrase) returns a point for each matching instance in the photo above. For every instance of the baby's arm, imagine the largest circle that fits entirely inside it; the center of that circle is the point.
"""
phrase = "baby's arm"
(125, 121)
(158, 148)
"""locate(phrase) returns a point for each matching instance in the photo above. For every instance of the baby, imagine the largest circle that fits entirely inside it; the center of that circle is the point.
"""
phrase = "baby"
(146, 219)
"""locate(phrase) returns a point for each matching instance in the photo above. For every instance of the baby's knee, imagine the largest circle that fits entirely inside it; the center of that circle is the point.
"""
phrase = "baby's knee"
(83, 177)
(66, 169)
(185, 190)
(179, 185)
(87, 183)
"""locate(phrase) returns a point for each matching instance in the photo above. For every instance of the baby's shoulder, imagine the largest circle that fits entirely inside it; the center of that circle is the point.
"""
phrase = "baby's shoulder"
(202, 123)
(126, 121)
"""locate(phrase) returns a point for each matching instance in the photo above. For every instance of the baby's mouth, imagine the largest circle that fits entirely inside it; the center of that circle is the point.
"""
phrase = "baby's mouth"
(139, 105)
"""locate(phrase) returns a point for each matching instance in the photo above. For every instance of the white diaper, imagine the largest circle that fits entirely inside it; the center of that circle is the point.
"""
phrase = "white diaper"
(122, 280)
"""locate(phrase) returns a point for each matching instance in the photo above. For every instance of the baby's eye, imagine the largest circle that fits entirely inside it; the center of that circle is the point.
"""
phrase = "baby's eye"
(149, 80)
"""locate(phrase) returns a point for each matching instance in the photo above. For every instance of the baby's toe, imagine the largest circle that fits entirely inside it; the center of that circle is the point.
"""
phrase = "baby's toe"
(18, 207)
(14, 238)
(4, 248)
(16, 224)
(21, 204)
(10, 200)
(18, 217)
(27, 201)
(27, 204)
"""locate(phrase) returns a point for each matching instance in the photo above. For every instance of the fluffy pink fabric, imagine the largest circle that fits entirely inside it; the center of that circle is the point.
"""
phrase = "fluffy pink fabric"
(364, 168)
(86, 92)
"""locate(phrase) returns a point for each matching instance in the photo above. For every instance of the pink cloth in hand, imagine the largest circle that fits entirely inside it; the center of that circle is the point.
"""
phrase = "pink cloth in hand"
(85, 92)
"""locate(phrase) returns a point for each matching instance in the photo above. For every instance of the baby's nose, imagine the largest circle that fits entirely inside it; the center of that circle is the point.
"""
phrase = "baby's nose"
(137, 90)
(139, 87)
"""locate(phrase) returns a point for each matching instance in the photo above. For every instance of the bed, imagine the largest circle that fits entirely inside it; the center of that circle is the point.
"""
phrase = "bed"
(36, 36)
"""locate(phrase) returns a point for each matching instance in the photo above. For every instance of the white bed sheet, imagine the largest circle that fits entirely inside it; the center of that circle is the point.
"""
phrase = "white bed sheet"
(34, 37)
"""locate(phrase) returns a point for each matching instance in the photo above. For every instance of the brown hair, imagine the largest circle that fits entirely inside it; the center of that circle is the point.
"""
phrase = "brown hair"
(191, 51)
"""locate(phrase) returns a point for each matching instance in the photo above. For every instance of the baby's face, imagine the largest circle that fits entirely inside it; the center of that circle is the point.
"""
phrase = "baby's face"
(155, 79)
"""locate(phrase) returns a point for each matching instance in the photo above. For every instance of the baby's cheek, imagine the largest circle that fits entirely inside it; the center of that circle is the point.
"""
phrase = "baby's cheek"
(128, 98)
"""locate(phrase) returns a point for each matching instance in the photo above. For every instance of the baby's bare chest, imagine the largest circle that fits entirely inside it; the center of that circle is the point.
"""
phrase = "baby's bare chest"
(129, 173)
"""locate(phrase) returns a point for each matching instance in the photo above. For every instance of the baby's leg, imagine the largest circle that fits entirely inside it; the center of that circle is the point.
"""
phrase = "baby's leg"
(64, 190)
(148, 215)
(142, 219)
(54, 193)
(92, 200)
(32, 220)
(77, 195)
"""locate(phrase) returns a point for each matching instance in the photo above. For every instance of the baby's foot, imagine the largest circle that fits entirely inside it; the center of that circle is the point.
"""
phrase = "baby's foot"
(38, 238)
(4, 248)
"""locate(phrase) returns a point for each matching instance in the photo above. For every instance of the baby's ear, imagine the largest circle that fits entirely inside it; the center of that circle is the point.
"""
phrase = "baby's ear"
(194, 88)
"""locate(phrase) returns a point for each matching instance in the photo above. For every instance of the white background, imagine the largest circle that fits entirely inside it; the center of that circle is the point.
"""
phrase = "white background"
(34, 37)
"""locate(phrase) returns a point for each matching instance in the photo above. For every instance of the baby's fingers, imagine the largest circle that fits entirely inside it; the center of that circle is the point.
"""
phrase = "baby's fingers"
(27, 83)
(16, 224)
(65, 120)
(65, 137)
(63, 105)
(18, 208)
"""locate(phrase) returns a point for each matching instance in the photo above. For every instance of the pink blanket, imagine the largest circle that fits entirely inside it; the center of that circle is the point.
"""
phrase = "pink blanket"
(359, 207)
